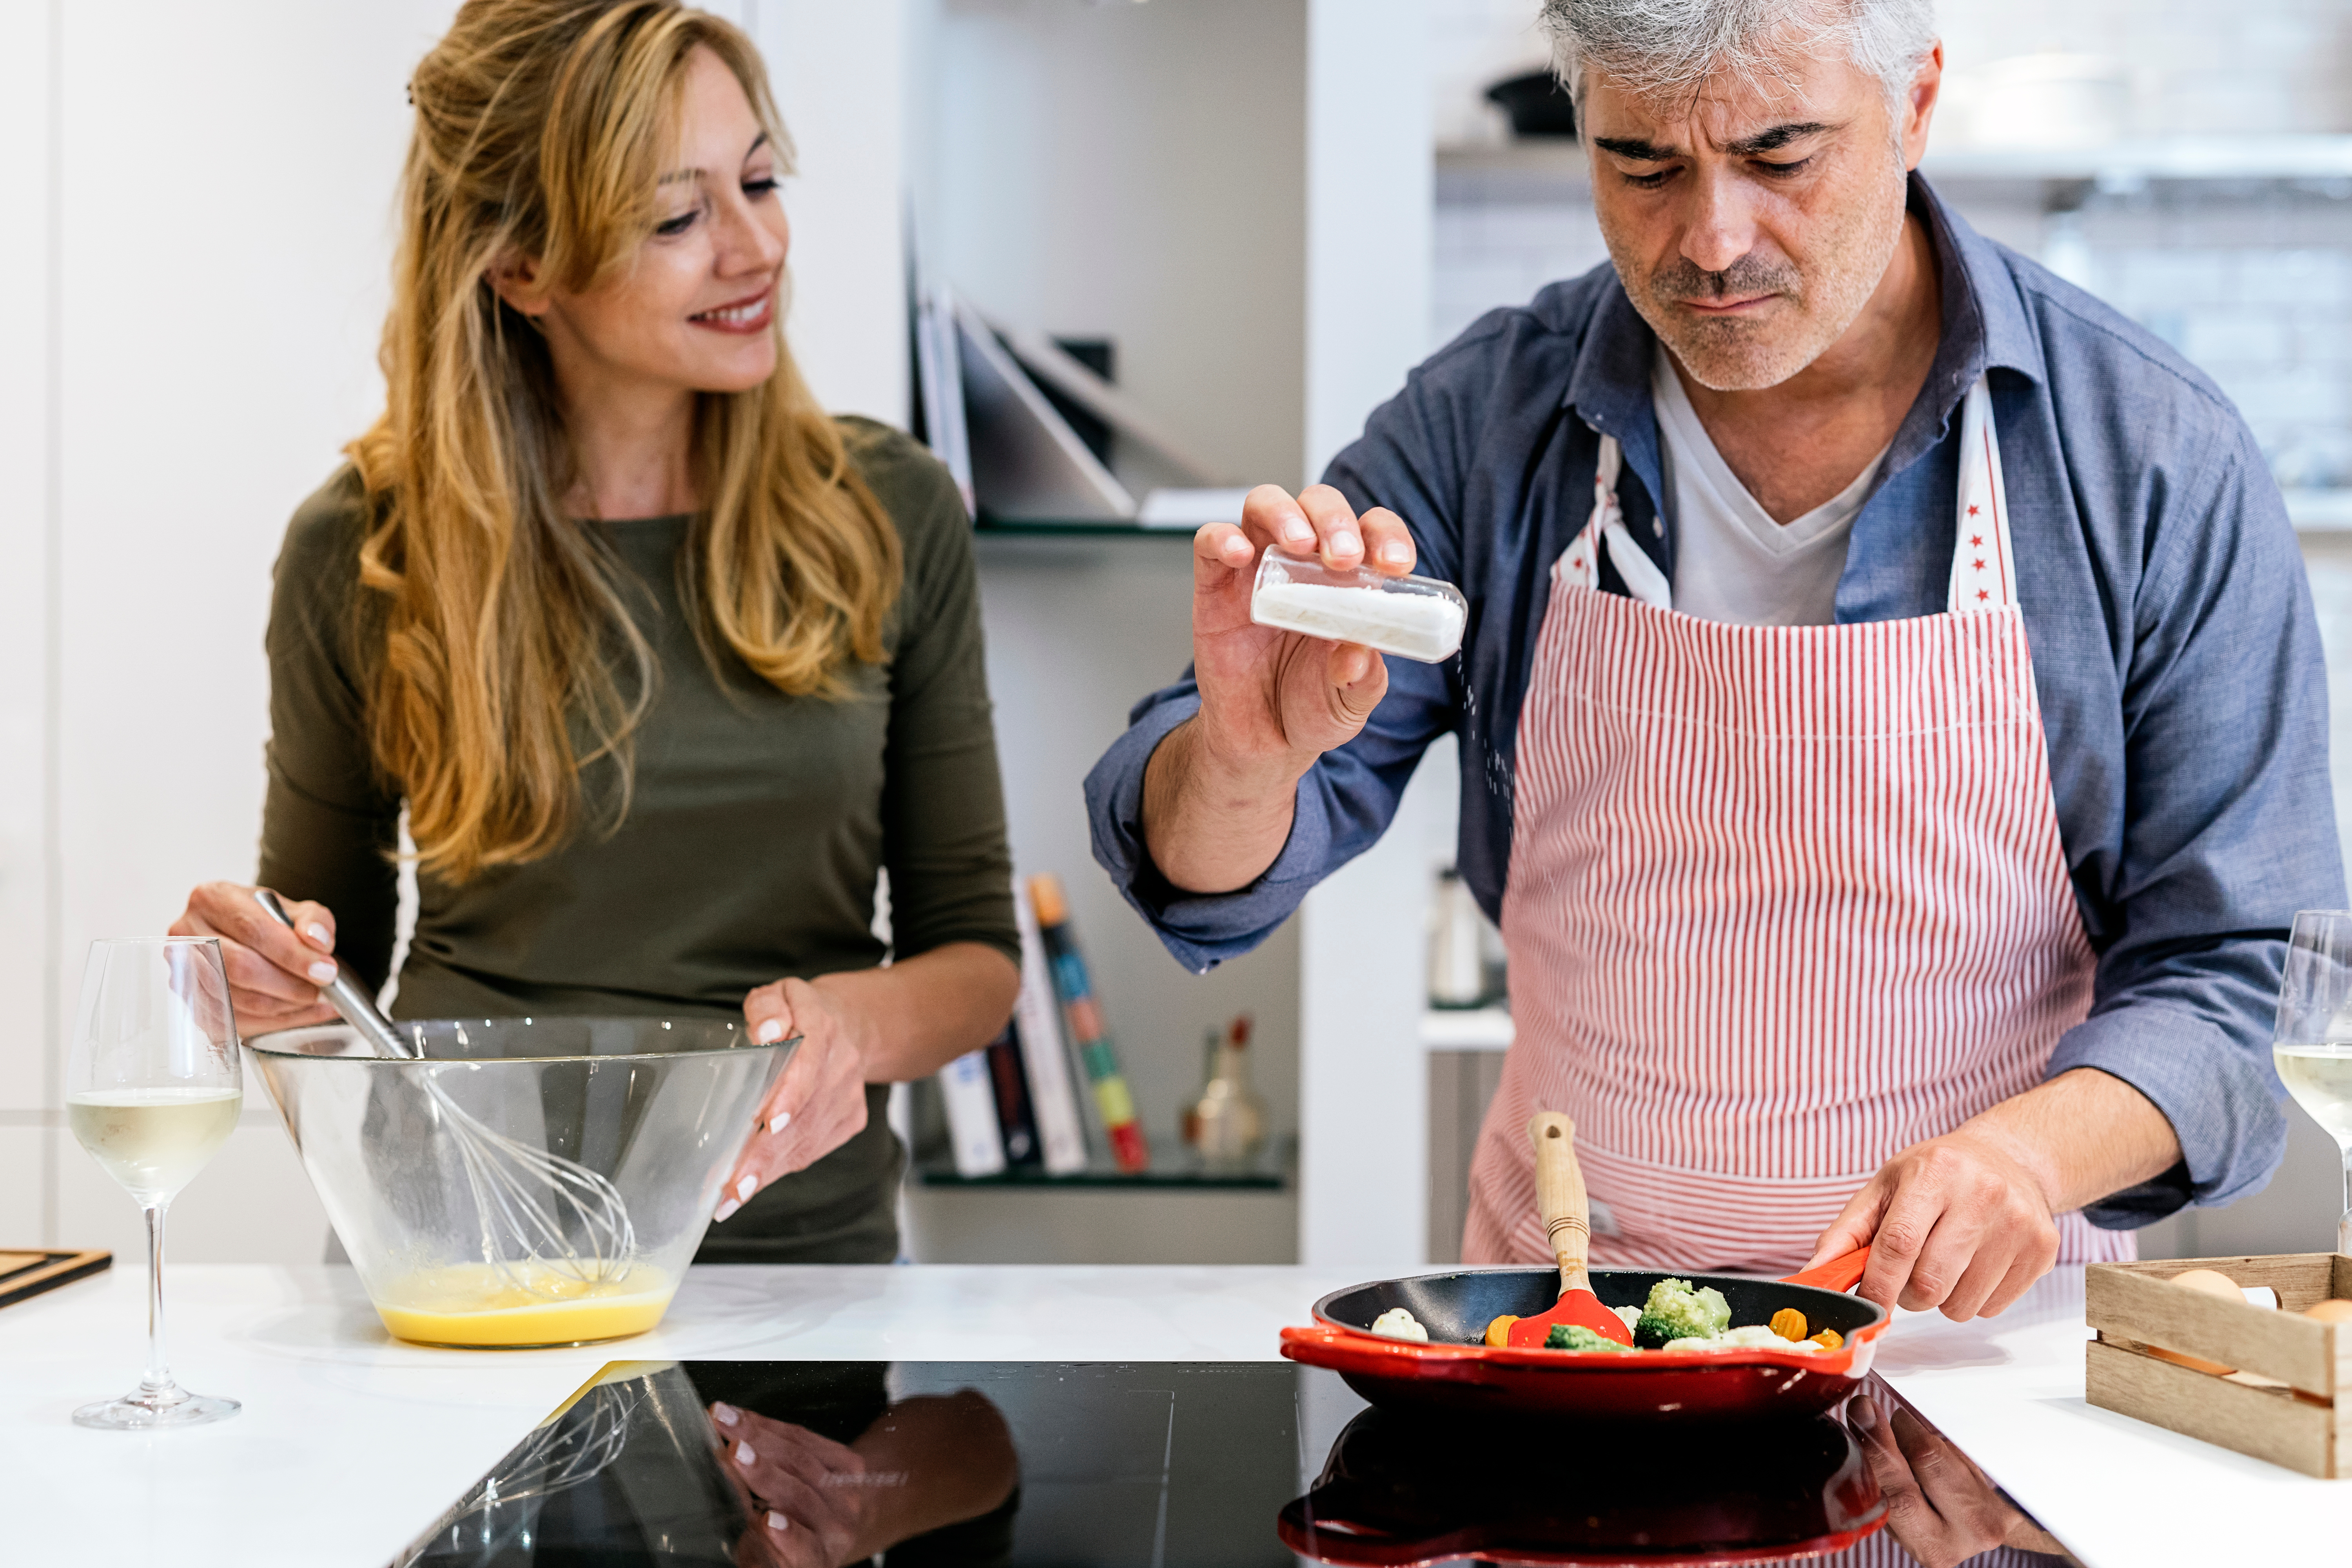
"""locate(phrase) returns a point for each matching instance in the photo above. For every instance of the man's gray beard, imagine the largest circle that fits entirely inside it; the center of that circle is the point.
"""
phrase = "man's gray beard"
(1747, 356)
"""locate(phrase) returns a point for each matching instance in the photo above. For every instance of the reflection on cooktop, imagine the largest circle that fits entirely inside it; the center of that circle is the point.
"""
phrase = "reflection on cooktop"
(915, 1463)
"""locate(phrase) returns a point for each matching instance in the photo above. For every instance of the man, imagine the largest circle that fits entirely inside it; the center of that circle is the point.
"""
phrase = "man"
(1894, 731)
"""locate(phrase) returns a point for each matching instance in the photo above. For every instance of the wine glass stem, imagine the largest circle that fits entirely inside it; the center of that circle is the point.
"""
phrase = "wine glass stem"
(2344, 1226)
(158, 1380)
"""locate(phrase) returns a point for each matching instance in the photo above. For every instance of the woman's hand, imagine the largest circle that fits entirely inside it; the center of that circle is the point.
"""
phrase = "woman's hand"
(273, 973)
(819, 1104)
(808, 1496)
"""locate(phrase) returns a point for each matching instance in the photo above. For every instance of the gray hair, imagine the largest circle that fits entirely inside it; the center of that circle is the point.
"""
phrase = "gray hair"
(1667, 47)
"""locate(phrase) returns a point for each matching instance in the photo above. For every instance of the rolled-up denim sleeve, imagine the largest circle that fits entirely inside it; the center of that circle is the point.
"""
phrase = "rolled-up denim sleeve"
(2230, 828)
(1344, 804)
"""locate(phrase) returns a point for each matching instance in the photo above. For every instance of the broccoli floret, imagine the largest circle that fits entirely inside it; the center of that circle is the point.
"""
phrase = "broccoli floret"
(1577, 1337)
(1677, 1311)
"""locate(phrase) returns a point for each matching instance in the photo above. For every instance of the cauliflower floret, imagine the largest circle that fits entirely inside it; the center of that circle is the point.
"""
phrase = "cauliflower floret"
(1679, 1310)
(1396, 1323)
(1754, 1337)
(1631, 1316)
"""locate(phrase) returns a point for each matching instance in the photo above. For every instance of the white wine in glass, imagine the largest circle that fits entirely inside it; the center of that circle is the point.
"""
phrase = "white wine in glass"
(153, 1089)
(2312, 1042)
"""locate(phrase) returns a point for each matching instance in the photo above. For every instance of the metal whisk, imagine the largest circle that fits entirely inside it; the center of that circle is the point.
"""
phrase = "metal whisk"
(530, 1203)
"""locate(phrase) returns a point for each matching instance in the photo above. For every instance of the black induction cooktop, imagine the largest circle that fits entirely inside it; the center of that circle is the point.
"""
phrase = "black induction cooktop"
(1177, 1463)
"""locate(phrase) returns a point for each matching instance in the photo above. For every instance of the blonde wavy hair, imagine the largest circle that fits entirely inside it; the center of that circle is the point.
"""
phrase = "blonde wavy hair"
(510, 659)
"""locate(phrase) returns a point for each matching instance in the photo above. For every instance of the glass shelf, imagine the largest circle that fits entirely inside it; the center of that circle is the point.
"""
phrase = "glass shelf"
(1045, 528)
(1174, 1168)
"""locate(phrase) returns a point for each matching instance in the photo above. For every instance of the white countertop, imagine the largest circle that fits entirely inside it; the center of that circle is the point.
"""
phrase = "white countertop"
(351, 1444)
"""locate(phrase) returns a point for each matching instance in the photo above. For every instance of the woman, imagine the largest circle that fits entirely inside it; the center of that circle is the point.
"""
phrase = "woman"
(665, 666)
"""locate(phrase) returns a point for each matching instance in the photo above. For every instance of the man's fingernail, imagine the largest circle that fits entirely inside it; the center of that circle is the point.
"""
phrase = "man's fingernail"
(778, 1522)
(743, 1454)
(767, 1033)
(747, 1187)
(725, 1209)
(782, 1117)
(724, 1412)
(1343, 541)
(322, 971)
(319, 934)
(1296, 532)
(1394, 553)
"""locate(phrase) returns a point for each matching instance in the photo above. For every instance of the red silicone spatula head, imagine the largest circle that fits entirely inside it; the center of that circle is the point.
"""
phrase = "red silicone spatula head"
(1560, 1199)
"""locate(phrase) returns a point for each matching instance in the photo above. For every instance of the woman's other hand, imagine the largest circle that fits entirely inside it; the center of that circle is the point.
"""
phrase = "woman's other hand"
(808, 1497)
(819, 1104)
(273, 973)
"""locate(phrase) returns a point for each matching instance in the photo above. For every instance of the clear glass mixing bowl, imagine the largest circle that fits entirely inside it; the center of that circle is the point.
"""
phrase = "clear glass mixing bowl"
(427, 1204)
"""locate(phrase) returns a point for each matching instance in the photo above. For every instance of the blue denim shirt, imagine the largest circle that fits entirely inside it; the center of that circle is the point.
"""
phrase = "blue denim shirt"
(2174, 648)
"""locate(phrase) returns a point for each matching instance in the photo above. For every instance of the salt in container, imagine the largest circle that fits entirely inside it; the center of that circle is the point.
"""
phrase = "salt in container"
(1413, 617)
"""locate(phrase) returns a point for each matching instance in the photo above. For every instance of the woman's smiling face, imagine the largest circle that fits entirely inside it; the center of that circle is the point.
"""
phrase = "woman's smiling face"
(696, 309)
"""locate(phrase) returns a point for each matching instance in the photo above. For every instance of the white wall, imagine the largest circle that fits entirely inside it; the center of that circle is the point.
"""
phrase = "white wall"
(219, 205)
(1130, 172)
(1363, 1129)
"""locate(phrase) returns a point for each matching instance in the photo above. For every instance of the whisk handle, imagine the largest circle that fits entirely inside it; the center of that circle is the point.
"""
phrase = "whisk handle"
(350, 1004)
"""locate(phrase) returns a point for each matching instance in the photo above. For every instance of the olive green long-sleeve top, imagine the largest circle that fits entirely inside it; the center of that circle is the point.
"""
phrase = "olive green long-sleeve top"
(752, 845)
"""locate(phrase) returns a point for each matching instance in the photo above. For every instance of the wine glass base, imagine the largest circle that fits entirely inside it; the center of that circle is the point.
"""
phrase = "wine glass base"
(136, 1412)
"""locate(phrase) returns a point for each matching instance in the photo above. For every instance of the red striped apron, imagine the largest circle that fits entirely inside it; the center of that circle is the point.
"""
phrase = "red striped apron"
(1782, 901)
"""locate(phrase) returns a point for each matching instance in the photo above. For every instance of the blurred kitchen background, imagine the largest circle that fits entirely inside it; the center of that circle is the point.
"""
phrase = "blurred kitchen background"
(1255, 213)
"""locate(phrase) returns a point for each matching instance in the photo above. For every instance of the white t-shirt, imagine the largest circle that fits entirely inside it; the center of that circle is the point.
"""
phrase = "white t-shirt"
(1732, 562)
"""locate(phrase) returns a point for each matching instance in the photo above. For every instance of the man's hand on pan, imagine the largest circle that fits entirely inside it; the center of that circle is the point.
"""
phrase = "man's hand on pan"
(1967, 1221)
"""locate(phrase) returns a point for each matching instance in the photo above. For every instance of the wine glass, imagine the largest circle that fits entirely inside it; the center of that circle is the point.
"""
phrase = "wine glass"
(2313, 1041)
(152, 1090)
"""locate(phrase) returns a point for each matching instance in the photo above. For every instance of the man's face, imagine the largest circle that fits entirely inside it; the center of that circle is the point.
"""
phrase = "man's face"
(1751, 222)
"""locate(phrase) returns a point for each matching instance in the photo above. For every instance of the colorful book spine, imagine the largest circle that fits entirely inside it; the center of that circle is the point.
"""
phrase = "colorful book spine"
(1095, 1051)
(1053, 1094)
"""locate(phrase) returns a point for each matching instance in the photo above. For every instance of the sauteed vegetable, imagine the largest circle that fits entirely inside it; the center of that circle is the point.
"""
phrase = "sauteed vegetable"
(1680, 1314)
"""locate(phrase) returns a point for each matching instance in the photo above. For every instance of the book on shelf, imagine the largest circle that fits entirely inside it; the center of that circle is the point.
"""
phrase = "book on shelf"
(985, 404)
(1053, 1098)
(1083, 1016)
(1014, 1123)
(970, 1097)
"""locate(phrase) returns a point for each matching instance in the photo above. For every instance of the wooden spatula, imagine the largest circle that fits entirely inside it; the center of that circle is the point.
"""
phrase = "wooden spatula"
(1560, 1199)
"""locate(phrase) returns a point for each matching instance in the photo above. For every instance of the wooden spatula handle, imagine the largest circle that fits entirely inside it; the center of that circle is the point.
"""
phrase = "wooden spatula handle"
(1559, 1196)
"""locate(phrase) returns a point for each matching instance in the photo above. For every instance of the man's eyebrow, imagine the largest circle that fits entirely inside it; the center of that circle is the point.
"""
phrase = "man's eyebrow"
(1777, 137)
(678, 176)
(1639, 151)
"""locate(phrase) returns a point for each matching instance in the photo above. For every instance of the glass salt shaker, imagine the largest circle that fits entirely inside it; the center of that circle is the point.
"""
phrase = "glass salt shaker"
(1413, 617)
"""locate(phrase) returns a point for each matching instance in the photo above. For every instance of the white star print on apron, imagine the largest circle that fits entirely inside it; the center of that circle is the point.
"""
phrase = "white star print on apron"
(1782, 901)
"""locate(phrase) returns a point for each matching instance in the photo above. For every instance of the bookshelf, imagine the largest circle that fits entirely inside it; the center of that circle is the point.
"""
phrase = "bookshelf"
(1191, 184)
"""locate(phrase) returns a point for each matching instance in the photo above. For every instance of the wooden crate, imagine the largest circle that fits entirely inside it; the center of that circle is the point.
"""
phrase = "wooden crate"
(2290, 1398)
(24, 1275)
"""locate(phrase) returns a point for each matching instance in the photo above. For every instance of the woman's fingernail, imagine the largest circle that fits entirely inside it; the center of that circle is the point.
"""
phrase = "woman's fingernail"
(778, 1522)
(724, 1412)
(319, 934)
(1343, 541)
(725, 1209)
(743, 1454)
(1394, 553)
(782, 1117)
(746, 1187)
(767, 1034)
(322, 971)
